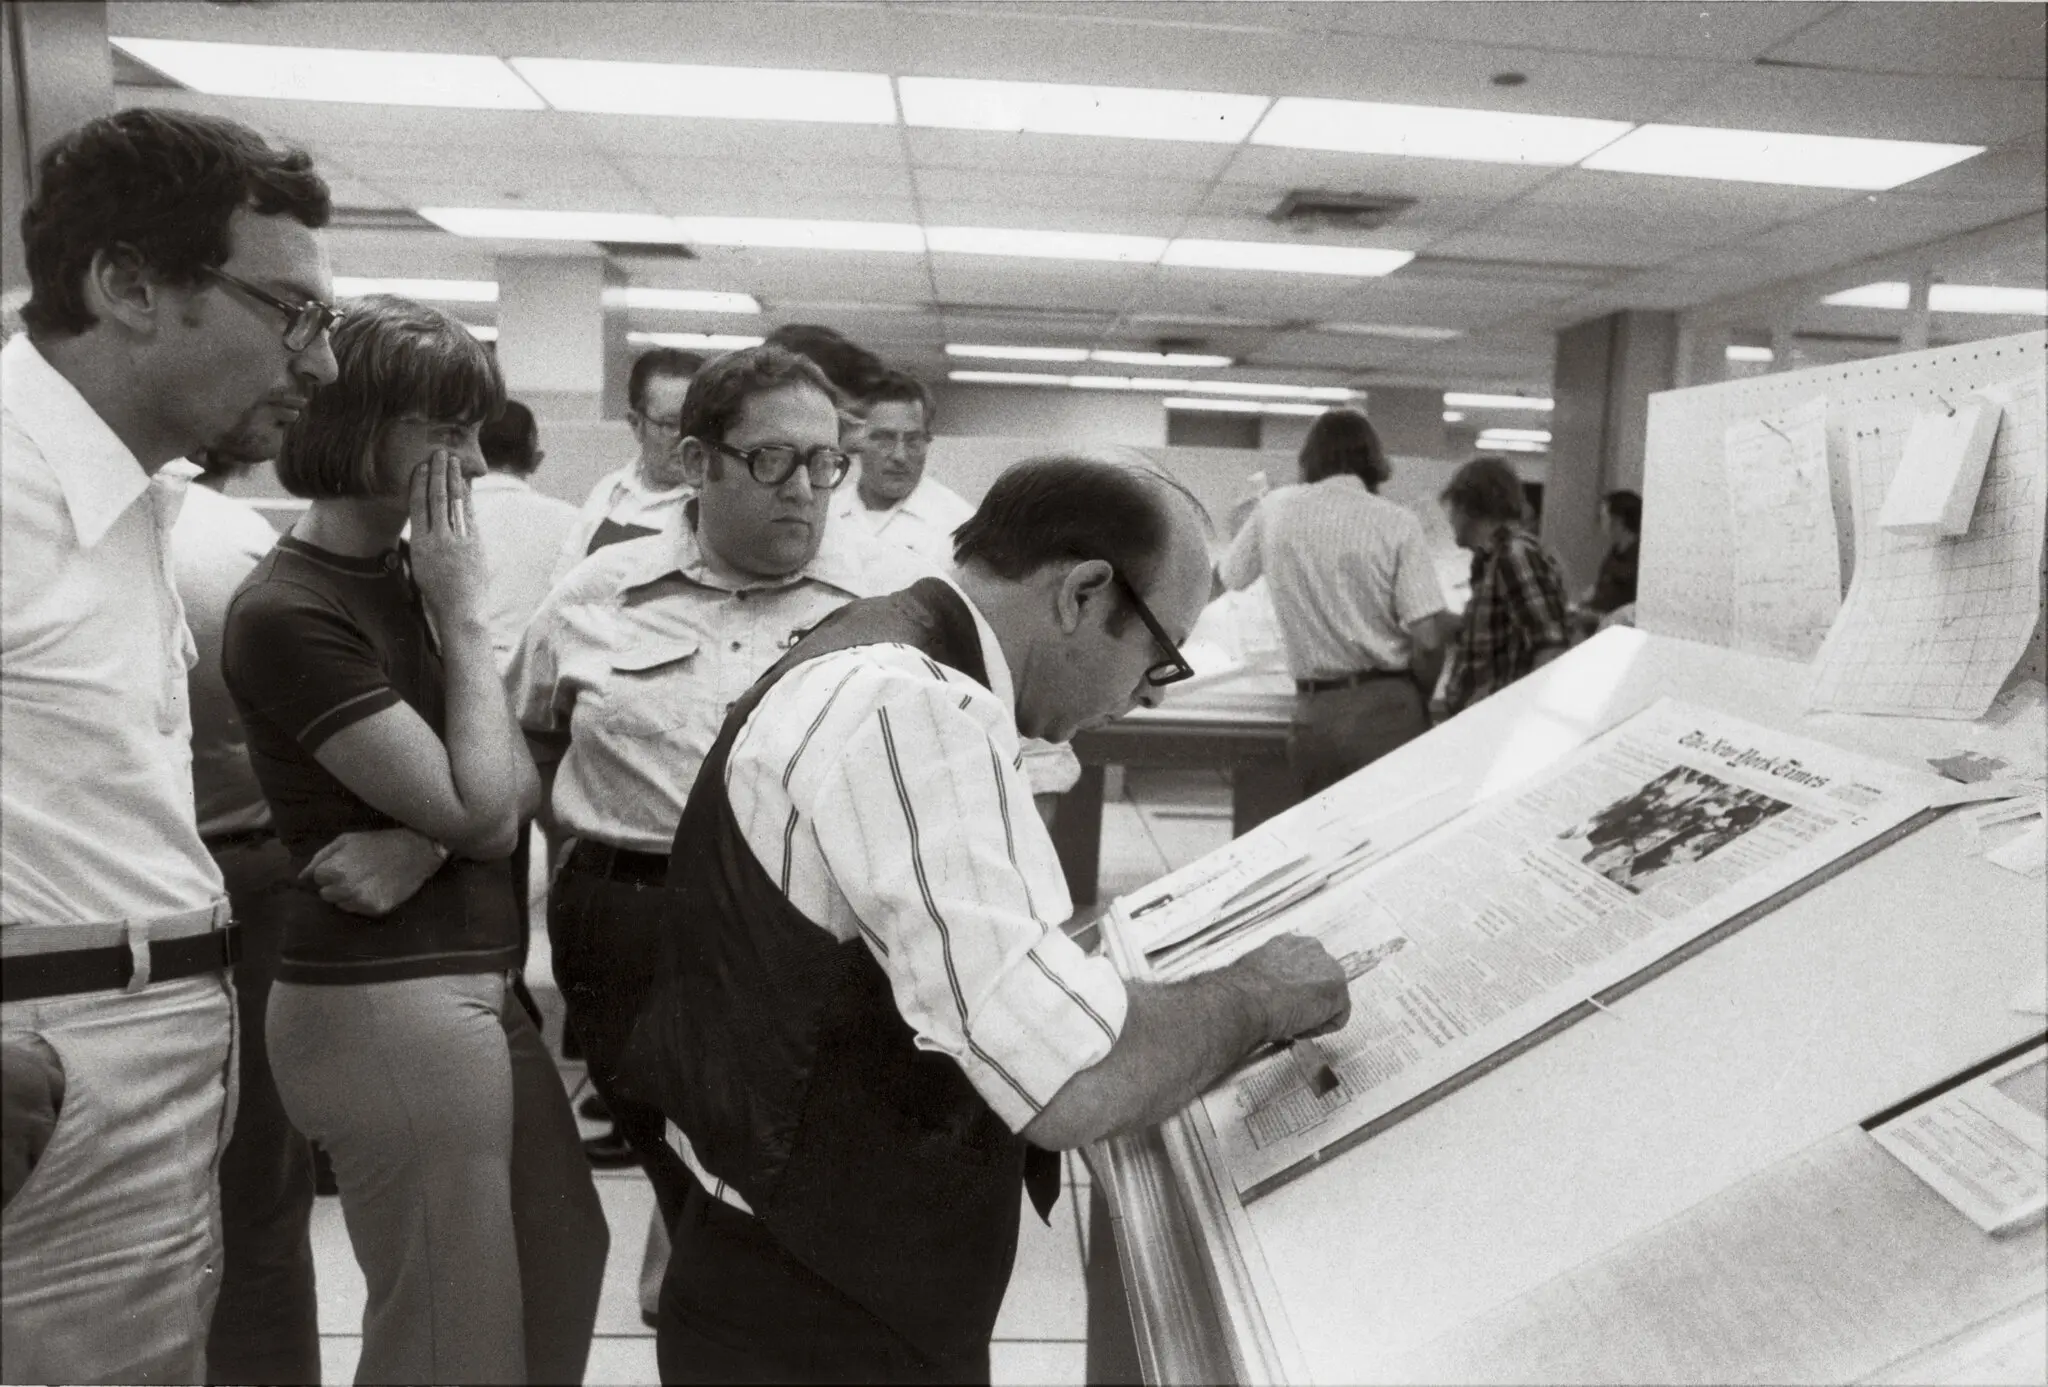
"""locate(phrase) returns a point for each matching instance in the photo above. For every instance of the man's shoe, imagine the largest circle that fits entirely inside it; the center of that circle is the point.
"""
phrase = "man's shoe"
(610, 1151)
(592, 1108)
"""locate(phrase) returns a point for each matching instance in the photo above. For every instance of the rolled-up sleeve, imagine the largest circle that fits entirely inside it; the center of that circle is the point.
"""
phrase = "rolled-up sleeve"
(920, 818)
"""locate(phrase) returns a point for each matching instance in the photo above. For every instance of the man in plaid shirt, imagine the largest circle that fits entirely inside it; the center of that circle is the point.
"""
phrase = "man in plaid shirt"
(1516, 622)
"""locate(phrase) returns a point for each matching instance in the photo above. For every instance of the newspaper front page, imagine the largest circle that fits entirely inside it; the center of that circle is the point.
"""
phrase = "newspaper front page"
(1520, 910)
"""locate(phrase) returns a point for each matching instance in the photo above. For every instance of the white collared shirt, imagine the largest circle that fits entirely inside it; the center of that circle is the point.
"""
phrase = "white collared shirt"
(96, 808)
(523, 532)
(1349, 571)
(623, 499)
(885, 794)
(639, 653)
(922, 522)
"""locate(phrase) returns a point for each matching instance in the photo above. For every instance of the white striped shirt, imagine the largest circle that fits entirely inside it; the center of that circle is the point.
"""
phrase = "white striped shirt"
(885, 794)
(1349, 572)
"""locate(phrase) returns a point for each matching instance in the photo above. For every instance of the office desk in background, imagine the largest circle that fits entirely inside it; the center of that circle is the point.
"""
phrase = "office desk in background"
(1236, 723)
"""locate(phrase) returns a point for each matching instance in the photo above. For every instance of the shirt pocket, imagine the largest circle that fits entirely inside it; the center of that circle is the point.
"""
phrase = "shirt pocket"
(652, 685)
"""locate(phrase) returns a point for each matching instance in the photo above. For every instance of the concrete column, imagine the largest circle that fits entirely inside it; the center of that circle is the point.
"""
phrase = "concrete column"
(1605, 372)
(1913, 334)
(562, 347)
(55, 75)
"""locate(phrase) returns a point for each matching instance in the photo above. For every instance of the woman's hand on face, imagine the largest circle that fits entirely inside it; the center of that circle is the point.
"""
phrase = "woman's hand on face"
(447, 553)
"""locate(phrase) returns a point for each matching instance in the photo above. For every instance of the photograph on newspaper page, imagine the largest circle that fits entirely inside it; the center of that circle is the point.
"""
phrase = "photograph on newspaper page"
(1518, 911)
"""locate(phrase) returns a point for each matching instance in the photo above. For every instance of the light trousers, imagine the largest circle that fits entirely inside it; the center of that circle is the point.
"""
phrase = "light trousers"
(110, 1253)
(463, 1184)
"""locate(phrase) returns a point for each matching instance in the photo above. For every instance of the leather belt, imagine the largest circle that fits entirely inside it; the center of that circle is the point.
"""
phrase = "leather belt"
(29, 977)
(1347, 681)
(618, 864)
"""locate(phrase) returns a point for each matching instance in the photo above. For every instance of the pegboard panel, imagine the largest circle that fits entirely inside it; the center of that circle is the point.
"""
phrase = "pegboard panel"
(1687, 582)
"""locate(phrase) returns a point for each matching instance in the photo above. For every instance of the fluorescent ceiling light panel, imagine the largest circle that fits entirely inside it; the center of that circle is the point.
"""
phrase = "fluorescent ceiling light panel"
(1046, 245)
(361, 76)
(1233, 387)
(1048, 108)
(1432, 132)
(697, 341)
(681, 300)
(1737, 352)
(1007, 378)
(715, 93)
(1987, 298)
(522, 224)
(1514, 435)
(1773, 156)
(1017, 353)
(1122, 358)
(1512, 445)
(482, 332)
(796, 234)
(1285, 256)
(1458, 399)
(1241, 406)
(1454, 416)
(1946, 298)
(428, 290)
(1399, 331)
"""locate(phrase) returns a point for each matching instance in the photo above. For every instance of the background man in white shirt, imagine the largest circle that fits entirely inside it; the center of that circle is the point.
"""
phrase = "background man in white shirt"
(871, 1030)
(523, 530)
(890, 496)
(647, 494)
(176, 286)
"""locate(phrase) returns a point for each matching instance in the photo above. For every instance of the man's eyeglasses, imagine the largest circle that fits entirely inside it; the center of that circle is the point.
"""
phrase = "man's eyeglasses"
(1175, 667)
(772, 463)
(304, 323)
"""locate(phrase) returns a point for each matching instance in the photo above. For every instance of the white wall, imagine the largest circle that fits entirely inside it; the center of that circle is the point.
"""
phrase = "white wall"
(1070, 417)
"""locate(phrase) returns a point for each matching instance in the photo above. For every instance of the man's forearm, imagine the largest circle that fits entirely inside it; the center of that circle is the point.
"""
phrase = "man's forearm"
(1178, 1039)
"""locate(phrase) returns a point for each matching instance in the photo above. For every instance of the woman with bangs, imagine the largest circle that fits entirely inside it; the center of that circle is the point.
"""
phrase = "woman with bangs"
(363, 672)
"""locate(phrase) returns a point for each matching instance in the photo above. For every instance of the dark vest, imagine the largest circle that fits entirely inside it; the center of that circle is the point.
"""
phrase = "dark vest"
(779, 1050)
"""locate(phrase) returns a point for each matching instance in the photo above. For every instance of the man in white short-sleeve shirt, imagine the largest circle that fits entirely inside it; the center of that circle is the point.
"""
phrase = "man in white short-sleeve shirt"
(646, 495)
(177, 285)
(890, 496)
(872, 1030)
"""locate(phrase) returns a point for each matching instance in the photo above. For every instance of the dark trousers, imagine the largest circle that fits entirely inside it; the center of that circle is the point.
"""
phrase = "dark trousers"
(265, 1322)
(606, 936)
(1338, 731)
(736, 1308)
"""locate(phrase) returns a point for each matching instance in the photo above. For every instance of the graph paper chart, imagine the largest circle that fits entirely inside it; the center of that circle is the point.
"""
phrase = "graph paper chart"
(1691, 586)
(1932, 627)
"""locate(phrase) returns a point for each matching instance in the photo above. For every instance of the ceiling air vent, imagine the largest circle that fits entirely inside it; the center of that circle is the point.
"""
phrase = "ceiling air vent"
(1316, 209)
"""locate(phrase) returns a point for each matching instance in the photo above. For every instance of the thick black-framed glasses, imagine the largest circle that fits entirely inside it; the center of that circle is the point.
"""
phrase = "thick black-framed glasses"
(1175, 667)
(303, 322)
(772, 463)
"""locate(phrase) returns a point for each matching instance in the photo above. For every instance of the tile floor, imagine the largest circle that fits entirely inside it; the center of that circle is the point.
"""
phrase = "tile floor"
(1163, 819)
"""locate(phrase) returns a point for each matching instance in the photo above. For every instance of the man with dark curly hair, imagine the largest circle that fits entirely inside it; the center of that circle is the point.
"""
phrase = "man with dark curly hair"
(177, 291)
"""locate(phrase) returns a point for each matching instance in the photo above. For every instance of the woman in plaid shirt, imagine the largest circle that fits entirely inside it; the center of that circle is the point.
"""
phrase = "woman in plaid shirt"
(1517, 618)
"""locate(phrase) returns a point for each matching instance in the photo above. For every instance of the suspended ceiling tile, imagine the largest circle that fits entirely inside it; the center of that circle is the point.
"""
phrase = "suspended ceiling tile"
(1040, 216)
(370, 253)
(1241, 293)
(1946, 109)
(2003, 40)
(2016, 169)
(1726, 31)
(1281, 169)
(1652, 201)
(768, 146)
(1362, 68)
(1229, 49)
(1601, 245)
(687, 176)
(967, 279)
(1248, 203)
(742, 198)
(835, 37)
(1073, 191)
(838, 276)
(344, 125)
(372, 24)
(1098, 158)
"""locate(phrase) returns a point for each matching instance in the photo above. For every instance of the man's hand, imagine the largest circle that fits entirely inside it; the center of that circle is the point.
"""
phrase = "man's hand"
(1296, 986)
(373, 873)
